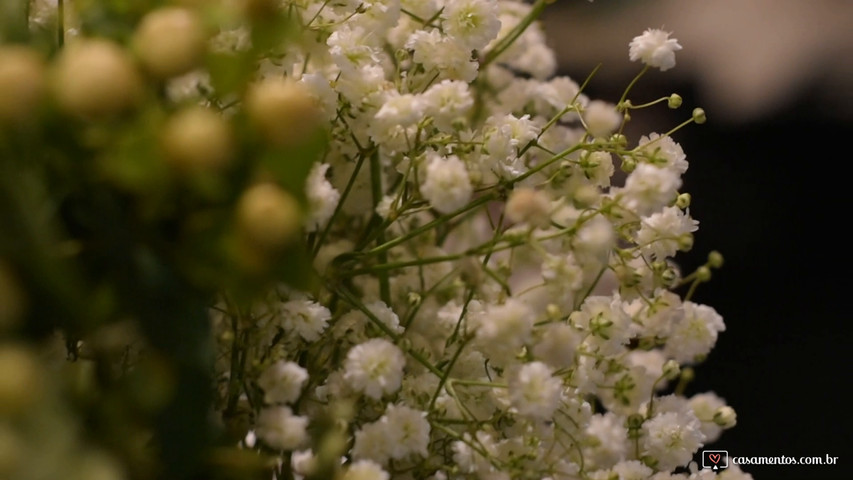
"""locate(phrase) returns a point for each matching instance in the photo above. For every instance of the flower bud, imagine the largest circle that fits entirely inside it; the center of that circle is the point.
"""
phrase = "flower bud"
(685, 242)
(197, 139)
(282, 110)
(671, 369)
(669, 276)
(20, 379)
(725, 417)
(699, 116)
(586, 196)
(22, 84)
(170, 41)
(12, 299)
(683, 200)
(674, 101)
(628, 164)
(528, 205)
(703, 273)
(268, 217)
(95, 78)
(715, 259)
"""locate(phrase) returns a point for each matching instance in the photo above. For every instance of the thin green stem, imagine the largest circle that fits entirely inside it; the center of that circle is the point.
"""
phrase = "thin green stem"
(376, 190)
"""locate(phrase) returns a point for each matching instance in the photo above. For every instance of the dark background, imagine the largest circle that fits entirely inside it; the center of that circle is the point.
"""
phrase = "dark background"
(772, 192)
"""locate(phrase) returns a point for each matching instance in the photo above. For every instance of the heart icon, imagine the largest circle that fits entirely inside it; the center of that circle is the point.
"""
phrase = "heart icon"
(714, 457)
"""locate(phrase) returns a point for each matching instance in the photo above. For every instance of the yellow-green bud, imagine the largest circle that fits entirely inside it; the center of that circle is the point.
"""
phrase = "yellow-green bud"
(715, 259)
(21, 381)
(725, 417)
(268, 217)
(282, 110)
(22, 84)
(671, 370)
(674, 101)
(197, 139)
(699, 116)
(95, 78)
(703, 273)
(685, 242)
(170, 41)
(683, 200)
(628, 164)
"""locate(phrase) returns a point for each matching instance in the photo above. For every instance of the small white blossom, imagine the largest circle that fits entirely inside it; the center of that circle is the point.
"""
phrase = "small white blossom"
(472, 23)
(654, 48)
(375, 367)
(279, 428)
(282, 382)
(447, 185)
(534, 391)
(695, 334)
(649, 188)
(660, 232)
(365, 470)
(308, 319)
(672, 439)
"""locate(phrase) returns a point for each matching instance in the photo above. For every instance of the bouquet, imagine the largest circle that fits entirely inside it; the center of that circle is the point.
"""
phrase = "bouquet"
(339, 239)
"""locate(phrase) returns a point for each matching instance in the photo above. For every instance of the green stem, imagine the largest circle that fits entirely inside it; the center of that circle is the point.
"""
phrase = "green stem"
(504, 43)
(376, 184)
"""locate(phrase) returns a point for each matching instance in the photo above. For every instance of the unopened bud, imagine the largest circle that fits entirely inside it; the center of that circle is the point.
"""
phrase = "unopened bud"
(683, 201)
(671, 369)
(282, 110)
(170, 41)
(715, 259)
(22, 84)
(725, 417)
(197, 139)
(268, 217)
(628, 164)
(674, 101)
(95, 78)
(699, 116)
(685, 242)
(586, 196)
(703, 273)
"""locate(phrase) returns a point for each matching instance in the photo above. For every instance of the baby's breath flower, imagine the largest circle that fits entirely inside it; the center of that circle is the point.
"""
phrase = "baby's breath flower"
(375, 367)
(282, 382)
(654, 48)
(279, 428)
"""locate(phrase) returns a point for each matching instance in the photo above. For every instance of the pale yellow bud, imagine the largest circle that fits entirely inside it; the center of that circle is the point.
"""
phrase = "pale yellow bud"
(95, 78)
(197, 139)
(170, 41)
(20, 379)
(528, 205)
(22, 83)
(282, 110)
(268, 217)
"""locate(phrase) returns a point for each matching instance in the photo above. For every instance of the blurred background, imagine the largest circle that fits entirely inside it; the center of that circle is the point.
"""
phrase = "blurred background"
(769, 175)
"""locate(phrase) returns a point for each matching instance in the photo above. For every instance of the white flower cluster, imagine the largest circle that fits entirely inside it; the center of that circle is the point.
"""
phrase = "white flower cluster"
(494, 303)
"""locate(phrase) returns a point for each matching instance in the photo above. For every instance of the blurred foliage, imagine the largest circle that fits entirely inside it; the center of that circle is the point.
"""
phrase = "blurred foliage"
(110, 256)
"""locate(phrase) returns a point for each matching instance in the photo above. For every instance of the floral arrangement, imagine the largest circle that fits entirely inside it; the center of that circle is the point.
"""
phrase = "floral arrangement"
(339, 239)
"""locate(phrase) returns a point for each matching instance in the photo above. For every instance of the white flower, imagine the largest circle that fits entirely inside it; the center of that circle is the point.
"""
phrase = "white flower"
(672, 439)
(505, 134)
(282, 382)
(607, 440)
(649, 188)
(504, 329)
(472, 23)
(534, 391)
(704, 406)
(322, 198)
(660, 232)
(556, 344)
(601, 118)
(375, 367)
(447, 186)
(307, 318)
(654, 48)
(632, 470)
(365, 470)
(409, 431)
(373, 442)
(695, 334)
(447, 102)
(279, 428)
(662, 150)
